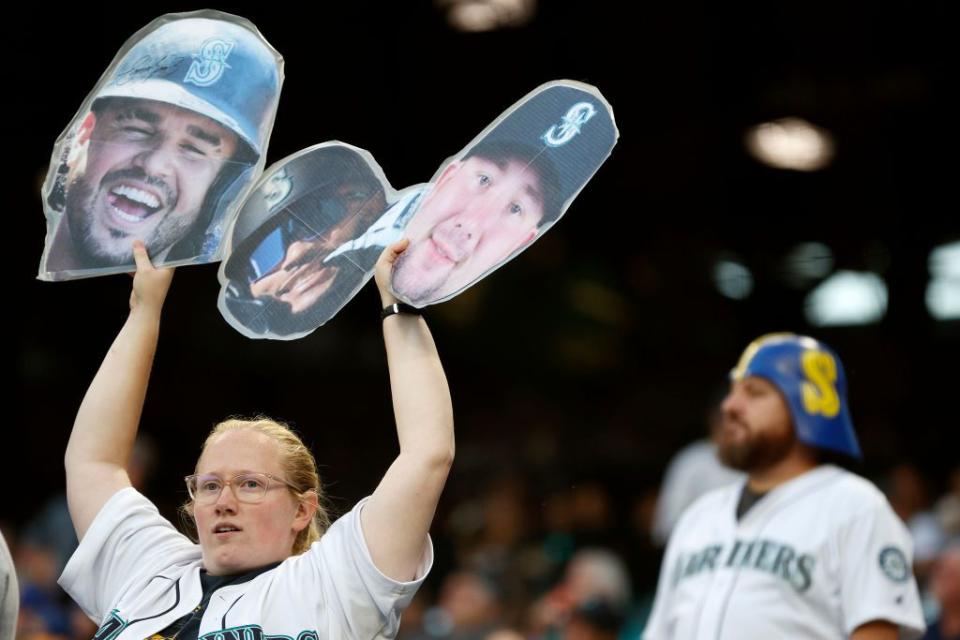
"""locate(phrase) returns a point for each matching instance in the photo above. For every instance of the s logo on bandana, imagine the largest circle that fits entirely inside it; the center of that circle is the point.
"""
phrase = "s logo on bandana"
(894, 564)
(209, 64)
(571, 123)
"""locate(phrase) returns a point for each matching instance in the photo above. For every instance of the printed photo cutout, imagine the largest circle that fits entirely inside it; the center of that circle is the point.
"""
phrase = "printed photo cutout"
(163, 149)
(508, 187)
(293, 260)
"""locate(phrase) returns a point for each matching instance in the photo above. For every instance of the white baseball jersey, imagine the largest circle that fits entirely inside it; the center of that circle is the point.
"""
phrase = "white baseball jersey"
(816, 557)
(135, 574)
(9, 593)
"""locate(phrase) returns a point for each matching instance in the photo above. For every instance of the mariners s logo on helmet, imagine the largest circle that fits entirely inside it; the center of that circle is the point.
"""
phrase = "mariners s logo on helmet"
(572, 121)
(209, 64)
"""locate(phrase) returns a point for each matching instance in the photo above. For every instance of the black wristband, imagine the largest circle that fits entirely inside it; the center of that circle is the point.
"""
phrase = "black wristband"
(398, 307)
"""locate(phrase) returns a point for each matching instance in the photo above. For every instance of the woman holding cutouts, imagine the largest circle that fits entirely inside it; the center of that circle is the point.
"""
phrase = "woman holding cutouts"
(267, 564)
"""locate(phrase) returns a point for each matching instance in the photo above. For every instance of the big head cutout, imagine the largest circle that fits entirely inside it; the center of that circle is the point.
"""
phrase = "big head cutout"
(163, 149)
(280, 278)
(310, 233)
(507, 187)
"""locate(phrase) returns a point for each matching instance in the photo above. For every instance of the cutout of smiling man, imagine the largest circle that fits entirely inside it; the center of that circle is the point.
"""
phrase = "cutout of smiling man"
(169, 142)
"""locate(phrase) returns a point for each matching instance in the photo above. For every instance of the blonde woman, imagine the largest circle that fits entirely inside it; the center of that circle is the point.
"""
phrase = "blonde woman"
(266, 565)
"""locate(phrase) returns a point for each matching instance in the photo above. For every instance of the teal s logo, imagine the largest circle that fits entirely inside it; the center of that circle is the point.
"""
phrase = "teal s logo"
(572, 121)
(210, 63)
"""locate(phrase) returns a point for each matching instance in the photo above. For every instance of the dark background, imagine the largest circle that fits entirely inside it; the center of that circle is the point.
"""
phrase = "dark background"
(594, 353)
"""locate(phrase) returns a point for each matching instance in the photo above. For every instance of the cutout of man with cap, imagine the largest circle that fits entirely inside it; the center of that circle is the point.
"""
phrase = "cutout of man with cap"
(483, 208)
(508, 188)
(169, 141)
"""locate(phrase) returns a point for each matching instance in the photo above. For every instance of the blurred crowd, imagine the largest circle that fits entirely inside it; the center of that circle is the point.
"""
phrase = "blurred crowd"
(519, 555)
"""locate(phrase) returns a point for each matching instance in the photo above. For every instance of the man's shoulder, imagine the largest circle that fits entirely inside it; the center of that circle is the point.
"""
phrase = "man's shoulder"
(710, 502)
(849, 489)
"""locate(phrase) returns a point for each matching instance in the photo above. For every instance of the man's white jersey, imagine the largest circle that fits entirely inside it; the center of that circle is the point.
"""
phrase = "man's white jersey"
(816, 557)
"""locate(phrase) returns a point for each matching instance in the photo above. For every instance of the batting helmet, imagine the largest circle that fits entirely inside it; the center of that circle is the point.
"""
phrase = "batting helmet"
(297, 199)
(211, 63)
(811, 378)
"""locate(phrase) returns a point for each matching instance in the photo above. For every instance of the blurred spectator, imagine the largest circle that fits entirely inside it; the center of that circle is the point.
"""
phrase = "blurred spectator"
(491, 535)
(595, 620)
(945, 588)
(52, 528)
(411, 621)
(489, 528)
(81, 626)
(592, 514)
(595, 588)
(947, 508)
(907, 492)
(45, 546)
(468, 608)
(692, 472)
(44, 612)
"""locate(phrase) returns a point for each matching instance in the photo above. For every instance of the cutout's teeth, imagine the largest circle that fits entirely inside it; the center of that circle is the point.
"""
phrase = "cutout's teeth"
(137, 195)
(120, 213)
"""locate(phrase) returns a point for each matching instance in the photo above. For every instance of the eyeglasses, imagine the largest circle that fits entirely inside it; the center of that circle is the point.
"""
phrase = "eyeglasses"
(247, 487)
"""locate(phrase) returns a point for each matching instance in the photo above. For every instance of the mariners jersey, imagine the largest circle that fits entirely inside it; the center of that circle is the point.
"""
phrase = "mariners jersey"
(816, 557)
(135, 574)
